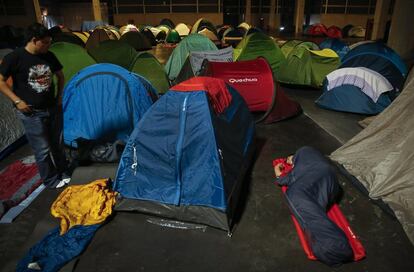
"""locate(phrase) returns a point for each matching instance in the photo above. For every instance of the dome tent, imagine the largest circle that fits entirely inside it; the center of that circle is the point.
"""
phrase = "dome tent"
(209, 34)
(168, 23)
(195, 61)
(380, 58)
(72, 57)
(288, 46)
(150, 36)
(193, 42)
(148, 66)
(173, 37)
(357, 90)
(69, 38)
(316, 30)
(137, 40)
(260, 45)
(142, 63)
(307, 67)
(232, 36)
(189, 184)
(97, 36)
(104, 102)
(82, 35)
(334, 32)
(182, 29)
(115, 52)
(357, 31)
(126, 28)
(201, 24)
(336, 45)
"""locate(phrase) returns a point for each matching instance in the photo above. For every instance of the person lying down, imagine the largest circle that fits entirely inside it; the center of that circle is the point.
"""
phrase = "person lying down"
(312, 189)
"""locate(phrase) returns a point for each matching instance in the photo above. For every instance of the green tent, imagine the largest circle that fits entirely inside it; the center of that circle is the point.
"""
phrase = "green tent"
(72, 57)
(142, 63)
(173, 37)
(148, 66)
(97, 36)
(68, 37)
(193, 42)
(288, 46)
(137, 40)
(115, 52)
(260, 45)
(308, 67)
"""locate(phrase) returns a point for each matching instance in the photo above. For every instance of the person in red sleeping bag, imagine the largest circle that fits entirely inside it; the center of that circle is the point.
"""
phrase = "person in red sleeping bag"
(312, 187)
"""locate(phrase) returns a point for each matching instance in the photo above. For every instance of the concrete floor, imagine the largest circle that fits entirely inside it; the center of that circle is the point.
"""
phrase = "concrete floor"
(264, 238)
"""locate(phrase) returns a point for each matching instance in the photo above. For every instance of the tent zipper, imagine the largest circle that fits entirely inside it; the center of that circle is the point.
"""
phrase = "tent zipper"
(179, 151)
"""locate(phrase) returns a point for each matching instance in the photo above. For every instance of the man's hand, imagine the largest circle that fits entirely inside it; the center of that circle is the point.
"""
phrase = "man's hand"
(23, 107)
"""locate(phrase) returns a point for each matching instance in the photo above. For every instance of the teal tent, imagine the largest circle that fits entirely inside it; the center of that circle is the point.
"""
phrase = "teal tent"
(193, 42)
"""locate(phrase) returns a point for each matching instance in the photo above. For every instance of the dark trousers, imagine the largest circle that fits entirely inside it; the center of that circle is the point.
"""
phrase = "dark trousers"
(44, 134)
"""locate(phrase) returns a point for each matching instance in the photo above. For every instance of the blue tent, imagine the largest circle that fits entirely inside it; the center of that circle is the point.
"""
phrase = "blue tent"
(380, 58)
(191, 165)
(104, 102)
(349, 98)
(336, 45)
(356, 90)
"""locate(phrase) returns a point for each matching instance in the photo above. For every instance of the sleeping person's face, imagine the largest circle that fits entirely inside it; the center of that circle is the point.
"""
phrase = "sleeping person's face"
(289, 159)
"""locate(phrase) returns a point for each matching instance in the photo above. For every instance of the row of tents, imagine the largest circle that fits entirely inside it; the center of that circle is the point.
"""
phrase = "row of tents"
(285, 63)
(296, 62)
(188, 171)
(334, 31)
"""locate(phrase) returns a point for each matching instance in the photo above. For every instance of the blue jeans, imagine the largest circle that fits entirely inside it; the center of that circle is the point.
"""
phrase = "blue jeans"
(44, 133)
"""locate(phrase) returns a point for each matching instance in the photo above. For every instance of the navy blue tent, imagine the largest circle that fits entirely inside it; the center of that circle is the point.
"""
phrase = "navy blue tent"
(104, 102)
(357, 90)
(380, 58)
(336, 45)
(190, 165)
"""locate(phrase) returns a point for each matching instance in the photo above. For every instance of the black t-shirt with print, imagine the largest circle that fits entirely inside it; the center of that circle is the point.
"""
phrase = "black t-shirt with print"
(32, 76)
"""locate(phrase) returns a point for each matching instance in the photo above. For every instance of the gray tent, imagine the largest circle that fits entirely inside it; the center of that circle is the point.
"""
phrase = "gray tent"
(193, 64)
(10, 126)
(381, 157)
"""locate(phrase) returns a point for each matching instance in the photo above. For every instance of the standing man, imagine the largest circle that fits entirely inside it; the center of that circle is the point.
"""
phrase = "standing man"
(32, 68)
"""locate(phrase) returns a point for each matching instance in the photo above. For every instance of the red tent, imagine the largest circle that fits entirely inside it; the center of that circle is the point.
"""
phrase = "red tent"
(317, 30)
(253, 79)
(334, 32)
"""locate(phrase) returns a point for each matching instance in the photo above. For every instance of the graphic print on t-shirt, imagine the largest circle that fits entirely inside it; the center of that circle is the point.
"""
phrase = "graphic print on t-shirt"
(40, 77)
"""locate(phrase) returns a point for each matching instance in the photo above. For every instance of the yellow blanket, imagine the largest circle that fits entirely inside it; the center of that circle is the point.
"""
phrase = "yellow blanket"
(84, 204)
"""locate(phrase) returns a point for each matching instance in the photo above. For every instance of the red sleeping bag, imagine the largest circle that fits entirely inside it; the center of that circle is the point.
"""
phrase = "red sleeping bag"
(334, 214)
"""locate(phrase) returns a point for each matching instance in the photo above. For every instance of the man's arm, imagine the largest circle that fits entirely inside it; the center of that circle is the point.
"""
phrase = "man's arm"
(5, 89)
(60, 84)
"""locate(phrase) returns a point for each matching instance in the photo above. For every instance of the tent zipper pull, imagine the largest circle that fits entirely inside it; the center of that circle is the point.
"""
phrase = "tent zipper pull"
(220, 153)
(135, 164)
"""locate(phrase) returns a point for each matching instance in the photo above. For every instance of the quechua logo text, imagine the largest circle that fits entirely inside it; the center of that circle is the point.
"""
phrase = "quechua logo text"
(243, 80)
